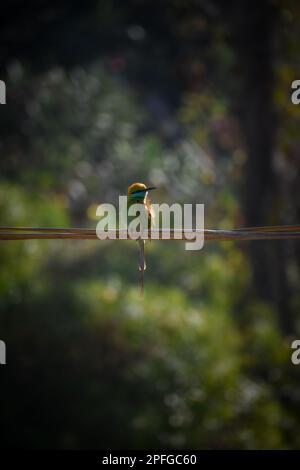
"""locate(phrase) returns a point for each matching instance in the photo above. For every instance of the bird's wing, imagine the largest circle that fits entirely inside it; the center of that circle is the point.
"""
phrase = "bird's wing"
(151, 213)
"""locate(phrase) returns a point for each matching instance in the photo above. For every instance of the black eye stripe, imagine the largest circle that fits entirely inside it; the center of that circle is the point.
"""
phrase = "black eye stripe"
(139, 191)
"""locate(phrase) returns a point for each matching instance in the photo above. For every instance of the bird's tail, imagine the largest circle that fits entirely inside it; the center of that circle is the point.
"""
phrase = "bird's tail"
(142, 263)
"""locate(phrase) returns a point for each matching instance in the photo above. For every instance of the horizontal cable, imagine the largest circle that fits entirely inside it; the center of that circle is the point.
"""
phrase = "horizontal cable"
(241, 234)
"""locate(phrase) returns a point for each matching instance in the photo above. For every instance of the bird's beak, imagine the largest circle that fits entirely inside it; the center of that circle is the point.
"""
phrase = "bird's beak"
(150, 189)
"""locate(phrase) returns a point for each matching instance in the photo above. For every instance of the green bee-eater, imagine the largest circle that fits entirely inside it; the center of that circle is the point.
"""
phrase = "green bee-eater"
(138, 194)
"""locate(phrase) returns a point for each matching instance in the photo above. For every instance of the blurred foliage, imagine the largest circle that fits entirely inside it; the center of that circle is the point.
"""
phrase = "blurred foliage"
(200, 362)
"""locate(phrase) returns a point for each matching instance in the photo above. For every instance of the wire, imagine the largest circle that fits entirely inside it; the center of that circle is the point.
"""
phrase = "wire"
(276, 232)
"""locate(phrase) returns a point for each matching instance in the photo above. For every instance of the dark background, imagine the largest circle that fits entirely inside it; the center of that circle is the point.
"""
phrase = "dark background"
(193, 97)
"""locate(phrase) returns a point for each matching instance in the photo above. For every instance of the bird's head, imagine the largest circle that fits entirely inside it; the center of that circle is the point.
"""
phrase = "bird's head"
(138, 191)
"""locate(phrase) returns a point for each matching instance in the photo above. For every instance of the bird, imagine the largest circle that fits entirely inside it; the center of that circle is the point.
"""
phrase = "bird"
(138, 194)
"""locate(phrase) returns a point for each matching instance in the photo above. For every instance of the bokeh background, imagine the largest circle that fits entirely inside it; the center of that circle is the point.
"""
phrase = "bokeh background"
(193, 97)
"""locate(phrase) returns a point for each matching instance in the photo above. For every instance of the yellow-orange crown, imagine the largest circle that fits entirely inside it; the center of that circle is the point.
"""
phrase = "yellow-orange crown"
(136, 187)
